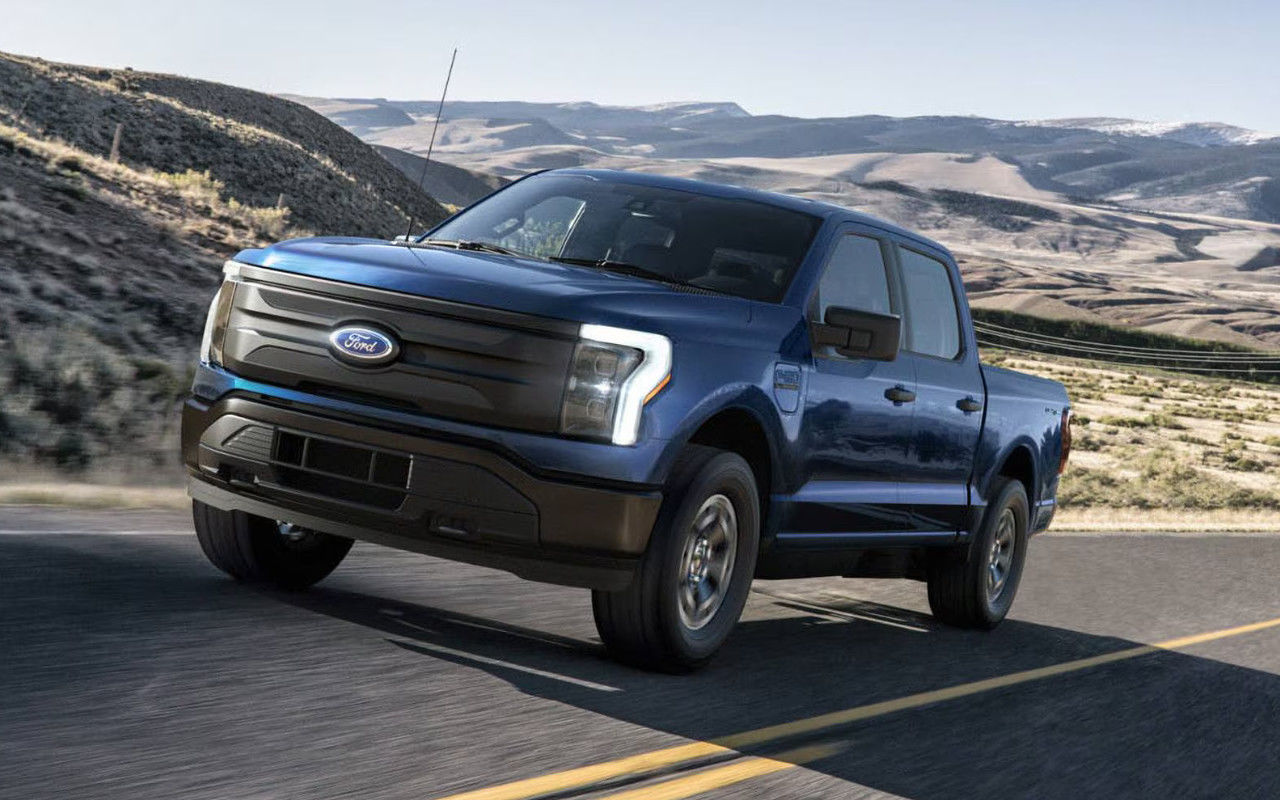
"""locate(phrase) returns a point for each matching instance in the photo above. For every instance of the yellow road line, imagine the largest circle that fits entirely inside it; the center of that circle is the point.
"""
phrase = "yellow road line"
(718, 778)
(585, 776)
(658, 759)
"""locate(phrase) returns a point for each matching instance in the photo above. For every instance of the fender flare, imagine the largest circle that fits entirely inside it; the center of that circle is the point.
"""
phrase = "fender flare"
(746, 398)
(987, 478)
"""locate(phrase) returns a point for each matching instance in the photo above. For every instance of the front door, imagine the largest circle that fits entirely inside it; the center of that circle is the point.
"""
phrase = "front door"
(855, 435)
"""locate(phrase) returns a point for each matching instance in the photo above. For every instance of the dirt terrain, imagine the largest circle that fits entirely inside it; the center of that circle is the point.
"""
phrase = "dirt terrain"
(106, 267)
(1162, 449)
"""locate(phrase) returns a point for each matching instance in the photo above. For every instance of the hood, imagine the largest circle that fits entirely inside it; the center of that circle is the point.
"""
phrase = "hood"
(531, 286)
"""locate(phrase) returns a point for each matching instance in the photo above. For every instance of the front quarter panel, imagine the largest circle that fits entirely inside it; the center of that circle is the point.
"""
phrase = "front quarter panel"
(711, 378)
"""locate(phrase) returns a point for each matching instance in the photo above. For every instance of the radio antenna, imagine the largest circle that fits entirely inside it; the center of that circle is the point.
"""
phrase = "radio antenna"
(422, 179)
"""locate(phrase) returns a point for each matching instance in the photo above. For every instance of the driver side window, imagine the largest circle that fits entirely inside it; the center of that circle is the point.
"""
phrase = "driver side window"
(855, 277)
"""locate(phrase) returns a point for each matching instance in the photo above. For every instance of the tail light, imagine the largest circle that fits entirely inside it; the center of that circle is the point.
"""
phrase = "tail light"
(1066, 440)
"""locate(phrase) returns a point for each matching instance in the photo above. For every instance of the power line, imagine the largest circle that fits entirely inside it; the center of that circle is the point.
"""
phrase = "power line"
(1101, 348)
(1239, 367)
(1115, 356)
(1205, 370)
(1164, 352)
(1084, 350)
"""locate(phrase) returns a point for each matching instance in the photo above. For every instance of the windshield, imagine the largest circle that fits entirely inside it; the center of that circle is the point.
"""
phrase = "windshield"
(739, 247)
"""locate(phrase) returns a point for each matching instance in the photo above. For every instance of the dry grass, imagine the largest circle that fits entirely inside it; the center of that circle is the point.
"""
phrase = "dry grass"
(1112, 520)
(1172, 445)
(194, 198)
(257, 145)
(79, 495)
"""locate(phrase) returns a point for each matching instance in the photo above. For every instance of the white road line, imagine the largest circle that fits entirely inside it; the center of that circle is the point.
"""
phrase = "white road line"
(496, 662)
(838, 614)
(576, 644)
(518, 634)
(41, 532)
(1206, 533)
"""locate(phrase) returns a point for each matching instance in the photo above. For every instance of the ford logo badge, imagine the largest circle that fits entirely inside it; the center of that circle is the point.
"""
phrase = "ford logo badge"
(363, 346)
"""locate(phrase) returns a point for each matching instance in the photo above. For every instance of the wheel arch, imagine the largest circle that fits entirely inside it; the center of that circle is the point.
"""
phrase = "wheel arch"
(739, 426)
(1017, 463)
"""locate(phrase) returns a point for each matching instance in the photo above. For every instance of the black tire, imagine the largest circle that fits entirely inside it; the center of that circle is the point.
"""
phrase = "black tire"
(644, 625)
(960, 593)
(253, 549)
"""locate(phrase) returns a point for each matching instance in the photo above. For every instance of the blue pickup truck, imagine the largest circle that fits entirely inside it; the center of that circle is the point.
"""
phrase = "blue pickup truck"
(654, 388)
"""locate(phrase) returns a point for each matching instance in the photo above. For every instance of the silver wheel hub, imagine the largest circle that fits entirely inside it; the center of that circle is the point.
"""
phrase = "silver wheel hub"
(1000, 556)
(706, 565)
(296, 537)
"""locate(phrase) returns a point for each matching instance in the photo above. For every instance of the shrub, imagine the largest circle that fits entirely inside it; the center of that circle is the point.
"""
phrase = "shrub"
(1189, 439)
(1159, 420)
(71, 451)
(68, 401)
(194, 185)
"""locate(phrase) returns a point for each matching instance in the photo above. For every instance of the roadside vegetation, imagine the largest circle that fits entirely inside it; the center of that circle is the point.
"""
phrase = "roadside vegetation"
(104, 301)
(110, 249)
(1159, 445)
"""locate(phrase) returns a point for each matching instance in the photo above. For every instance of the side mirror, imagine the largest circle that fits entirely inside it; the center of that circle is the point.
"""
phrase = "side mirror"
(859, 334)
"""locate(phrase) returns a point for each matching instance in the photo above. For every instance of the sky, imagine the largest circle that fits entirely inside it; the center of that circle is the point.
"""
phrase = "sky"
(1036, 59)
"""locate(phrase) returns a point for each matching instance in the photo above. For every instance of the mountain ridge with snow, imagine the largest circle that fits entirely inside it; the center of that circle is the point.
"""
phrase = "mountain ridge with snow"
(1200, 134)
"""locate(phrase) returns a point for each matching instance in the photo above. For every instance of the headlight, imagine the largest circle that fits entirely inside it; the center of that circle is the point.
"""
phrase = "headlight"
(215, 325)
(615, 371)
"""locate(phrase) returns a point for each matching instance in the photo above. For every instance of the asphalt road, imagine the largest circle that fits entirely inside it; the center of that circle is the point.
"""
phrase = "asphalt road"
(132, 669)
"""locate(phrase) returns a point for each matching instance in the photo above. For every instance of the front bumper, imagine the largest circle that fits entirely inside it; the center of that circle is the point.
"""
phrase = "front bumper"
(399, 488)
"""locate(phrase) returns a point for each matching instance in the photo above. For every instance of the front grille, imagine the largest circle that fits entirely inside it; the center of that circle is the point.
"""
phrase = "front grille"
(340, 470)
(467, 363)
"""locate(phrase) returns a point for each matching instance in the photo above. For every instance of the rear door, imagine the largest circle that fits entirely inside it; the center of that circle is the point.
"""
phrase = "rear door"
(854, 438)
(949, 391)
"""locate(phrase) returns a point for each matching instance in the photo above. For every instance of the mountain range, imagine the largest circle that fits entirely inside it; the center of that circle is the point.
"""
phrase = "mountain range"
(1170, 227)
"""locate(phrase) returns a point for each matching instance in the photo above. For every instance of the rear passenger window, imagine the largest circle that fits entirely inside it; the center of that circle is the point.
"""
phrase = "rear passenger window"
(933, 324)
(855, 277)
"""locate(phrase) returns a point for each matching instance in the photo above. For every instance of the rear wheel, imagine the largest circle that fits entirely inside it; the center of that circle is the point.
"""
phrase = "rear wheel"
(974, 586)
(694, 577)
(260, 550)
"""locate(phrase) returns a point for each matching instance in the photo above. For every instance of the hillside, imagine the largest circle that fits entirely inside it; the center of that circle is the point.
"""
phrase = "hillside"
(106, 268)
(453, 186)
(1172, 228)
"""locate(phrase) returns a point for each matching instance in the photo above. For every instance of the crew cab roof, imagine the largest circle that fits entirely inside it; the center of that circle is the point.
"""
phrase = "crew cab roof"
(802, 204)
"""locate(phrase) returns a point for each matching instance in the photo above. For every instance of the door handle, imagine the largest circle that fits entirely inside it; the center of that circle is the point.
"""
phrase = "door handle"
(969, 405)
(900, 395)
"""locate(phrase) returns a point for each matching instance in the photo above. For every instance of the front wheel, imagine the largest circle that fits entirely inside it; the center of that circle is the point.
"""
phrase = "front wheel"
(973, 586)
(694, 577)
(260, 550)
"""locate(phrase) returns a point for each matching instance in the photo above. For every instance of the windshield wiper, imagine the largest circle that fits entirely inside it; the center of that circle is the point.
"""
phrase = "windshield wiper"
(617, 266)
(464, 244)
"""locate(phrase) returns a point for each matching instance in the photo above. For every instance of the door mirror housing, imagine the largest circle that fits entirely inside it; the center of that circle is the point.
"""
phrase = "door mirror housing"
(859, 334)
